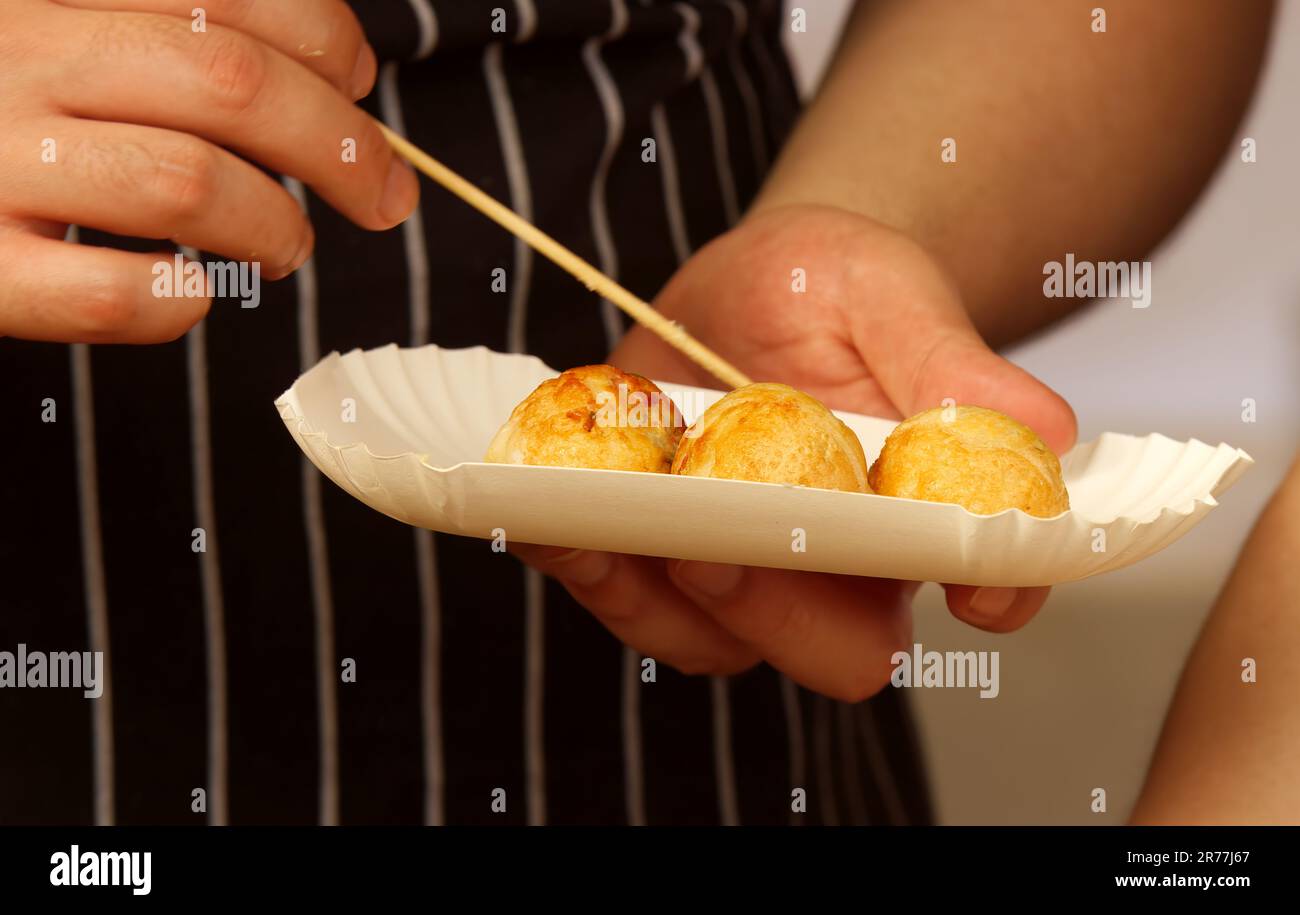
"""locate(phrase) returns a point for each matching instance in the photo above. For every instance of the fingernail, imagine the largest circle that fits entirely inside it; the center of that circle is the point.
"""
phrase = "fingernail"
(712, 579)
(991, 603)
(363, 73)
(585, 568)
(304, 248)
(575, 567)
(552, 553)
(401, 192)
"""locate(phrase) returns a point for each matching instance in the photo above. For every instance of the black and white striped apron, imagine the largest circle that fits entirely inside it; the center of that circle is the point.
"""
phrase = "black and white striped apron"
(472, 673)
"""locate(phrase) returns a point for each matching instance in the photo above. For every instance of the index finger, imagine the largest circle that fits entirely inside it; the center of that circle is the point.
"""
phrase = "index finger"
(834, 634)
(323, 35)
(630, 596)
(241, 94)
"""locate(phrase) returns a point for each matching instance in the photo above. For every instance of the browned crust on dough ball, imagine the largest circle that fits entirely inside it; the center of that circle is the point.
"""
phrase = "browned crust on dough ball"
(978, 458)
(575, 420)
(772, 433)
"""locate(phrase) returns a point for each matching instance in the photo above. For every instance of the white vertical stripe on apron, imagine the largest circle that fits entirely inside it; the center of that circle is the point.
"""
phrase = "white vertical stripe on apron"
(822, 752)
(435, 780)
(689, 39)
(667, 155)
(847, 734)
(92, 572)
(794, 729)
(612, 106)
(753, 110)
(318, 554)
(521, 198)
(426, 21)
(426, 559)
(633, 761)
(527, 14)
(878, 764)
(724, 766)
(214, 608)
(534, 695)
(719, 692)
(521, 201)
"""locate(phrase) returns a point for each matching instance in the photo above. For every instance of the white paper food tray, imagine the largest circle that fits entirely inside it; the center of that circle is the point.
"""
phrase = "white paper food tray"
(412, 447)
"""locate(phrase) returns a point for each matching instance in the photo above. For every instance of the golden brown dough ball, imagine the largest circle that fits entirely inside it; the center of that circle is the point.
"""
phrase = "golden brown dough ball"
(592, 416)
(772, 433)
(973, 456)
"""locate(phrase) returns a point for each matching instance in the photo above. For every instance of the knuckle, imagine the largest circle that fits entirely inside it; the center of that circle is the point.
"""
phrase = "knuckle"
(374, 148)
(789, 624)
(234, 70)
(105, 308)
(861, 684)
(342, 37)
(17, 49)
(230, 12)
(612, 607)
(184, 179)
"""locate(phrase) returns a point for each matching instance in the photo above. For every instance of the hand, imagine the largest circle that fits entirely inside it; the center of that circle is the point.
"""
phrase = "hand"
(879, 330)
(141, 110)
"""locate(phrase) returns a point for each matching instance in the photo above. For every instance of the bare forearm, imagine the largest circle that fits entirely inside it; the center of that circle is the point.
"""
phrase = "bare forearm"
(1066, 139)
(1229, 748)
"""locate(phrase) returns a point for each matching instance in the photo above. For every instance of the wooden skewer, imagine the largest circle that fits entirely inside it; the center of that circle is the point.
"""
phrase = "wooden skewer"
(642, 312)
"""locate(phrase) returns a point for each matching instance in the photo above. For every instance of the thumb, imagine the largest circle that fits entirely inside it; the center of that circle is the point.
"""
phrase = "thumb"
(965, 369)
(923, 361)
